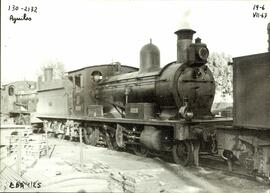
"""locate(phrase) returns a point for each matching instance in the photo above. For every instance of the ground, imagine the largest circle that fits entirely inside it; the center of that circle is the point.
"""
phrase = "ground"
(104, 170)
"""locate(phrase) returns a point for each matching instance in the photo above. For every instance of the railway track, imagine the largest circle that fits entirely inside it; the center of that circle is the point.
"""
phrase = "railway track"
(213, 162)
(216, 163)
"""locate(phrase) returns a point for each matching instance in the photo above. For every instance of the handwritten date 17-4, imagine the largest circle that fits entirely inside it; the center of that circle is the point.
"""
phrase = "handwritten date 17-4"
(24, 8)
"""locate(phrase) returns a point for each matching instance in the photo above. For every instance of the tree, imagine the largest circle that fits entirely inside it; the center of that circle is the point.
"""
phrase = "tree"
(222, 72)
(58, 68)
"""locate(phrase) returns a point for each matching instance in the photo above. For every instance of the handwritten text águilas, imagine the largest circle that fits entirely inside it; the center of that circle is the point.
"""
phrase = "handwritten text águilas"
(24, 17)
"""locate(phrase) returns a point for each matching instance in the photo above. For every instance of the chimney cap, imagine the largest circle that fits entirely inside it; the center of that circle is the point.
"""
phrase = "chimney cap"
(48, 68)
(184, 30)
(185, 33)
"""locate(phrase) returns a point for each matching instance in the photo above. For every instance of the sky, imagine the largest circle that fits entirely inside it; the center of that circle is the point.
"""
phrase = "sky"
(81, 33)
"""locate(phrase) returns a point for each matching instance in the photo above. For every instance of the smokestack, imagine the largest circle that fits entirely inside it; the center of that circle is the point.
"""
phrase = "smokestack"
(48, 74)
(39, 82)
(184, 39)
(268, 30)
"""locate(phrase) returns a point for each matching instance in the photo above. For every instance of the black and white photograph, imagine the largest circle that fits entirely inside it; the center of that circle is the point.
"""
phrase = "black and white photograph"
(135, 96)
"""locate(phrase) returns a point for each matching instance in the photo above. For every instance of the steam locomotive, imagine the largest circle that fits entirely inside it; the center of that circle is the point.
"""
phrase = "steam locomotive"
(148, 109)
(154, 110)
(18, 100)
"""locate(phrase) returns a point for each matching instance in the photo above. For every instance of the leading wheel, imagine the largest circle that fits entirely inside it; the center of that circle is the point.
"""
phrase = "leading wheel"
(140, 150)
(91, 135)
(182, 153)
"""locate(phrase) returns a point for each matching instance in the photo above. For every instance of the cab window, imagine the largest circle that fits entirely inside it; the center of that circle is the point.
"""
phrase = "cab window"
(70, 78)
(78, 83)
(96, 76)
(11, 90)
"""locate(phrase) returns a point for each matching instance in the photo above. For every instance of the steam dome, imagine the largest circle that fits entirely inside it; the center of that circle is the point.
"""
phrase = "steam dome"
(149, 58)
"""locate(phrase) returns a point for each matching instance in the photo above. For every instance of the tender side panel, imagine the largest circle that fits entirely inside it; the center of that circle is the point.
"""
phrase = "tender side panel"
(251, 77)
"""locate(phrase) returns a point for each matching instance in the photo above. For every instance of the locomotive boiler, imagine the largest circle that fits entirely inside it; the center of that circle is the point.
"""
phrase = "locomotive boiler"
(184, 88)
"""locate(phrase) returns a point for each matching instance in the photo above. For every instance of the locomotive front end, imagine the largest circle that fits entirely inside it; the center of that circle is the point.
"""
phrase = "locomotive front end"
(189, 84)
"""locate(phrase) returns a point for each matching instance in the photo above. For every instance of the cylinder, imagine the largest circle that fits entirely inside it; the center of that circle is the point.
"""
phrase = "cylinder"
(48, 74)
(155, 139)
(184, 39)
